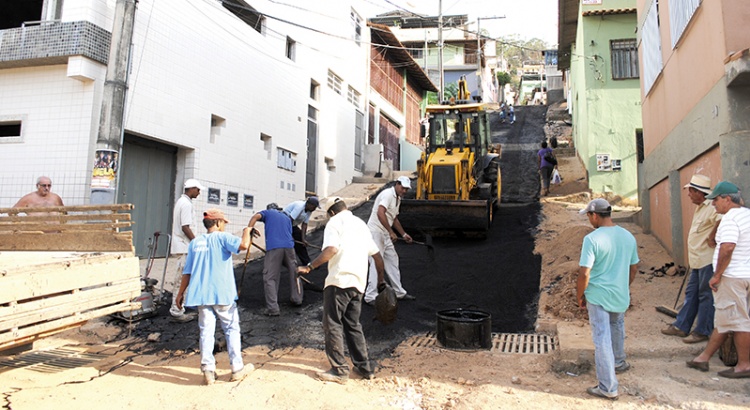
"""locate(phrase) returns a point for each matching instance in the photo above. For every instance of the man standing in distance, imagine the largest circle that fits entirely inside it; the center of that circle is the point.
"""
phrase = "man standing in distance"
(41, 197)
(300, 212)
(608, 264)
(384, 225)
(699, 300)
(347, 243)
(182, 233)
(730, 282)
(208, 284)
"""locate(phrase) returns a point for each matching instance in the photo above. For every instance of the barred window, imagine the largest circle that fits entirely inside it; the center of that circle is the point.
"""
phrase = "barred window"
(624, 59)
(353, 97)
(334, 82)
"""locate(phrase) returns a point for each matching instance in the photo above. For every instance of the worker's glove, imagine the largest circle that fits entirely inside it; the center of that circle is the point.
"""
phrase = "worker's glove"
(381, 287)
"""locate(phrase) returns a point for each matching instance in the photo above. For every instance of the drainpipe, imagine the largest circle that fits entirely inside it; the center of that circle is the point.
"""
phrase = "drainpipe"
(107, 156)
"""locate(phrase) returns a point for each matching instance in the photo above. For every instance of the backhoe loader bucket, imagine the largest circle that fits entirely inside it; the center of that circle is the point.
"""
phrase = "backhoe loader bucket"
(435, 216)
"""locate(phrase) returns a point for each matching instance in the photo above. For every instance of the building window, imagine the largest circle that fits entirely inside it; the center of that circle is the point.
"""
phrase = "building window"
(334, 82)
(291, 48)
(247, 14)
(357, 26)
(650, 42)
(217, 123)
(624, 59)
(314, 90)
(353, 97)
(680, 13)
(416, 53)
(287, 160)
(10, 129)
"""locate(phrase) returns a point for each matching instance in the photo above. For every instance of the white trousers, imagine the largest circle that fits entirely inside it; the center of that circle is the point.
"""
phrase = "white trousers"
(392, 272)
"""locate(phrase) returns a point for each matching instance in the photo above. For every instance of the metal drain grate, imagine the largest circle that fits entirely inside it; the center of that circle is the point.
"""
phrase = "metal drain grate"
(514, 343)
(523, 343)
(51, 361)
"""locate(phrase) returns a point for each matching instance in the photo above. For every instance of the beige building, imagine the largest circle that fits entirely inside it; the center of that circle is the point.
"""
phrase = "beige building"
(695, 85)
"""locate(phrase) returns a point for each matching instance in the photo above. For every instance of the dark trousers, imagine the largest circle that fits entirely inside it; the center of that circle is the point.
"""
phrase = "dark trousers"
(341, 309)
(300, 249)
(699, 303)
(273, 262)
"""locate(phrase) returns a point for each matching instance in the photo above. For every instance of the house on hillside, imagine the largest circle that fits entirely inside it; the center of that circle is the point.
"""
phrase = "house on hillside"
(419, 34)
(259, 104)
(598, 54)
(398, 90)
(695, 70)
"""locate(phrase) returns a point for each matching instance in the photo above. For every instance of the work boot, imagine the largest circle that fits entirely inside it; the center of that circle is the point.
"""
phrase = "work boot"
(695, 338)
(673, 330)
(333, 376)
(239, 375)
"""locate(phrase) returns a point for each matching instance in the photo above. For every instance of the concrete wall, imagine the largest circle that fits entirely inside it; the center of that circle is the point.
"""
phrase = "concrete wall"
(606, 112)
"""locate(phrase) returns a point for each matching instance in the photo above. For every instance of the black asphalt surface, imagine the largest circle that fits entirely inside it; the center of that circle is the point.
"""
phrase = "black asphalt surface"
(499, 275)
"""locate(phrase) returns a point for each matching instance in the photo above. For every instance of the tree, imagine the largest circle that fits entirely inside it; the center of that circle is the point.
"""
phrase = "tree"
(503, 78)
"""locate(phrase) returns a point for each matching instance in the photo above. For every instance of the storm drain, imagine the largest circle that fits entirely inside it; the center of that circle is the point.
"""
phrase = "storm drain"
(51, 361)
(512, 343)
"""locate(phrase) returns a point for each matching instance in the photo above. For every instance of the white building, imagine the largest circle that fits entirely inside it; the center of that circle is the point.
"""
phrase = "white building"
(262, 101)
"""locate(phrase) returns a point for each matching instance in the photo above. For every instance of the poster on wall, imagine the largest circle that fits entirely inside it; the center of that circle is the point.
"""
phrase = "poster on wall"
(248, 202)
(214, 196)
(232, 198)
(616, 165)
(602, 162)
(105, 169)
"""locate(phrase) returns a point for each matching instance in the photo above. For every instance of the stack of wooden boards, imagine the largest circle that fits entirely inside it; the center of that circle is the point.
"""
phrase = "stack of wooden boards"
(61, 266)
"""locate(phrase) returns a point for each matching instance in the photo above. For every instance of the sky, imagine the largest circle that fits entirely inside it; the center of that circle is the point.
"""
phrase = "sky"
(527, 18)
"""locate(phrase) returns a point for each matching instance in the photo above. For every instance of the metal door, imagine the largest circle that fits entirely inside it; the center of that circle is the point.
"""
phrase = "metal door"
(147, 181)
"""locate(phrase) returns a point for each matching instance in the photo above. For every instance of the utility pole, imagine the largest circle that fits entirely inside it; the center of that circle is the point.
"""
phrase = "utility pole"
(441, 96)
(111, 120)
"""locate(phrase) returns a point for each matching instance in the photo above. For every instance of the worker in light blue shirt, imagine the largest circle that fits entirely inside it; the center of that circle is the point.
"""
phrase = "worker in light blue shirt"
(300, 212)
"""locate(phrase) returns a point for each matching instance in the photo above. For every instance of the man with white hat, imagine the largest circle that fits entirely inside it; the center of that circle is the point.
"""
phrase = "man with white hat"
(183, 231)
(608, 264)
(699, 300)
(386, 228)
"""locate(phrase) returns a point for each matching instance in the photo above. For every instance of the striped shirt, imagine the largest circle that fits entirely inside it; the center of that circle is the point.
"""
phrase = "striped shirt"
(735, 228)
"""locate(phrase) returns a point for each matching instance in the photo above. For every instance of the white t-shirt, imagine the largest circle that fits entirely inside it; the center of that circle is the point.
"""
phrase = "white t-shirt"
(183, 215)
(349, 266)
(391, 202)
(735, 228)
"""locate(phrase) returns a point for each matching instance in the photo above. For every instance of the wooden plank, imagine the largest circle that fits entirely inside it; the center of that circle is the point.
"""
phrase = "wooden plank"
(20, 335)
(45, 309)
(69, 208)
(37, 227)
(60, 219)
(65, 277)
(67, 241)
(23, 262)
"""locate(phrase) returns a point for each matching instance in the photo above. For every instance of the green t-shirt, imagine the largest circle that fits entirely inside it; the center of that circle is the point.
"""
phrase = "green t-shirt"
(609, 251)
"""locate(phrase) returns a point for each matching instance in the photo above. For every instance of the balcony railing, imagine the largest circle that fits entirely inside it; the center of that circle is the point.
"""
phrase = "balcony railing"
(52, 42)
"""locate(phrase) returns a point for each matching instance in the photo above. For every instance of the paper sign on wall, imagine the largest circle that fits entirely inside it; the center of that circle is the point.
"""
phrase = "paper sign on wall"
(602, 162)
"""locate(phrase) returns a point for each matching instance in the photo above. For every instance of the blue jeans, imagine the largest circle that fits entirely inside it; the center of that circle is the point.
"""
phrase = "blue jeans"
(699, 301)
(608, 331)
(230, 324)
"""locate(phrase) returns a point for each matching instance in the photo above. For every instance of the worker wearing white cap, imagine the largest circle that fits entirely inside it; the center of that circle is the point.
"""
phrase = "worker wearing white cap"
(386, 228)
(183, 231)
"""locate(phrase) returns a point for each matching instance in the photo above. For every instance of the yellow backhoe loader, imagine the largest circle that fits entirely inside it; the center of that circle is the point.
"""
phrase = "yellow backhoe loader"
(458, 175)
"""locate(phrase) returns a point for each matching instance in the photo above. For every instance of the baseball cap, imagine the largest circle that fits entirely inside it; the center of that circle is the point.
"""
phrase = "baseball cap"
(273, 205)
(700, 182)
(723, 188)
(193, 183)
(598, 205)
(405, 182)
(314, 200)
(215, 214)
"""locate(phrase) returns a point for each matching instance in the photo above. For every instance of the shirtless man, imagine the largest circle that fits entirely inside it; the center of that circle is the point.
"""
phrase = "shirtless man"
(41, 197)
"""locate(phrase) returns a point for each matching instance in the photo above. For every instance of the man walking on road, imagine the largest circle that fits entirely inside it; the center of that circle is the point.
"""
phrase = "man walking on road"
(699, 300)
(279, 252)
(730, 282)
(347, 243)
(182, 233)
(609, 262)
(208, 284)
(384, 224)
(300, 212)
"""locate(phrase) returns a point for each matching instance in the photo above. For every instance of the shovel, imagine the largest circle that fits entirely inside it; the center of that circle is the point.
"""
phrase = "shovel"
(313, 287)
(428, 243)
